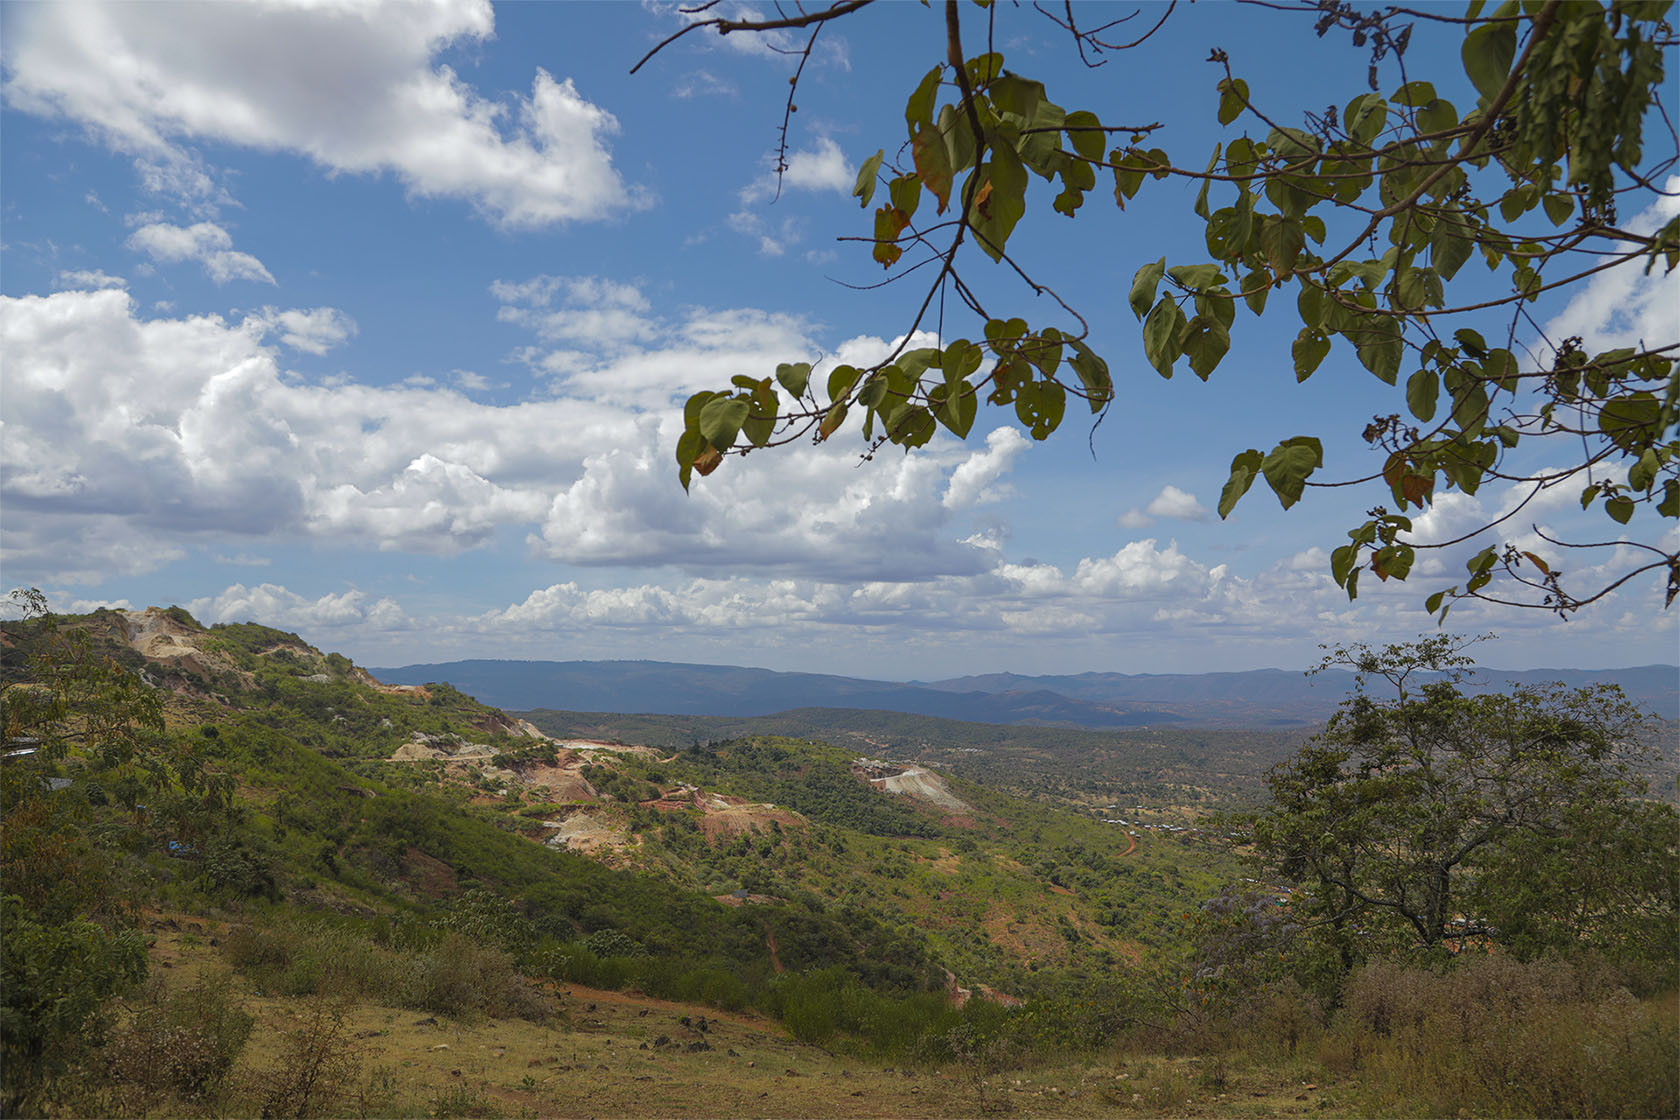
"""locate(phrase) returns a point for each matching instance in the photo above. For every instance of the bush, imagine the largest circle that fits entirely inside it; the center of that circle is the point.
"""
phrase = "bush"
(243, 865)
(460, 978)
(54, 981)
(611, 943)
(316, 1067)
(183, 1043)
(1493, 1035)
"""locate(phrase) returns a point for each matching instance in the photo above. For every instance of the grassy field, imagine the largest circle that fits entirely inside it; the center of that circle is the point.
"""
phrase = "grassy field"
(617, 1054)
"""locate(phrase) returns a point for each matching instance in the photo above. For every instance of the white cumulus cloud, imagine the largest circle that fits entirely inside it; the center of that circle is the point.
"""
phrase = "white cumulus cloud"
(91, 278)
(205, 242)
(352, 85)
(1171, 503)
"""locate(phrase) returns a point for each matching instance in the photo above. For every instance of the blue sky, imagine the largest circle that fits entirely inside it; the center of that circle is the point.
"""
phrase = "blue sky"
(373, 322)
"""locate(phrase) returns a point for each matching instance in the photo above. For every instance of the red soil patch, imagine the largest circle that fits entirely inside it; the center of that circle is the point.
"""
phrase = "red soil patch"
(430, 876)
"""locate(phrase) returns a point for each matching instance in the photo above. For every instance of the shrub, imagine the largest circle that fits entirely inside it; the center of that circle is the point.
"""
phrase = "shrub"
(54, 981)
(1495, 1035)
(183, 1042)
(460, 978)
(612, 943)
(316, 1068)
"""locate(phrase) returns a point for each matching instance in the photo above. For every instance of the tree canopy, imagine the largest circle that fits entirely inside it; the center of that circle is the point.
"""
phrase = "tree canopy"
(1407, 236)
(1428, 816)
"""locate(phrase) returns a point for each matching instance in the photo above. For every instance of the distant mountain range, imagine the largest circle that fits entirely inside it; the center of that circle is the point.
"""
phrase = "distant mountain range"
(1260, 698)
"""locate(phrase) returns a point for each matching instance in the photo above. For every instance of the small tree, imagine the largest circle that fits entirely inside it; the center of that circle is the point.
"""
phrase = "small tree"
(1430, 815)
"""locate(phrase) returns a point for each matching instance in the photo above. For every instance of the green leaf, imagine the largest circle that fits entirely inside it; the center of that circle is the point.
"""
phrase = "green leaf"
(919, 109)
(1365, 117)
(874, 391)
(865, 188)
(1643, 474)
(910, 425)
(1144, 283)
(1437, 116)
(959, 139)
(721, 420)
(1433, 603)
(1163, 335)
(983, 69)
(1296, 146)
(1233, 99)
(1085, 135)
(1415, 94)
(1558, 207)
(1312, 304)
(906, 194)
(1197, 276)
(794, 377)
(1620, 508)
(1256, 286)
(1039, 405)
(1289, 465)
(1341, 563)
(1630, 421)
(995, 219)
(691, 410)
(1243, 469)
(960, 359)
(689, 446)
(1474, 344)
(840, 381)
(1448, 248)
(1381, 345)
(1229, 232)
(1201, 207)
(955, 407)
(1205, 343)
(1128, 175)
(1670, 504)
(760, 423)
(1017, 96)
(1421, 390)
(1093, 374)
(1487, 54)
(1282, 241)
(1003, 336)
(1308, 350)
(1419, 288)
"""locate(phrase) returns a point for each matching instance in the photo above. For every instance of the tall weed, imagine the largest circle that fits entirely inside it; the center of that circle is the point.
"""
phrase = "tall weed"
(1498, 1036)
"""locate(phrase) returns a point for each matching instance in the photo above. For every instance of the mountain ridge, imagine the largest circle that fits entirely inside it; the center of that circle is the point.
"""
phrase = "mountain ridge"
(1253, 698)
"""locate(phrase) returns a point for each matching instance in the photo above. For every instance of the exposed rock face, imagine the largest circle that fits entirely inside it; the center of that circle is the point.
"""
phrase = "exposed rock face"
(449, 748)
(415, 752)
(583, 832)
(910, 781)
(161, 638)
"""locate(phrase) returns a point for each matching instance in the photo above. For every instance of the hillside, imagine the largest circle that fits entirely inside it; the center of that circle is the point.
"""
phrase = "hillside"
(1263, 698)
(277, 790)
(244, 876)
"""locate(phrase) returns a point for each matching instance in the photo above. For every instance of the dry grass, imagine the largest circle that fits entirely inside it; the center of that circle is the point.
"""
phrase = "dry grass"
(616, 1054)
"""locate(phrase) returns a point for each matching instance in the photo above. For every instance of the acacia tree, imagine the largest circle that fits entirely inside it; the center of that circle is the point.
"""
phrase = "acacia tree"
(1359, 223)
(1428, 815)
